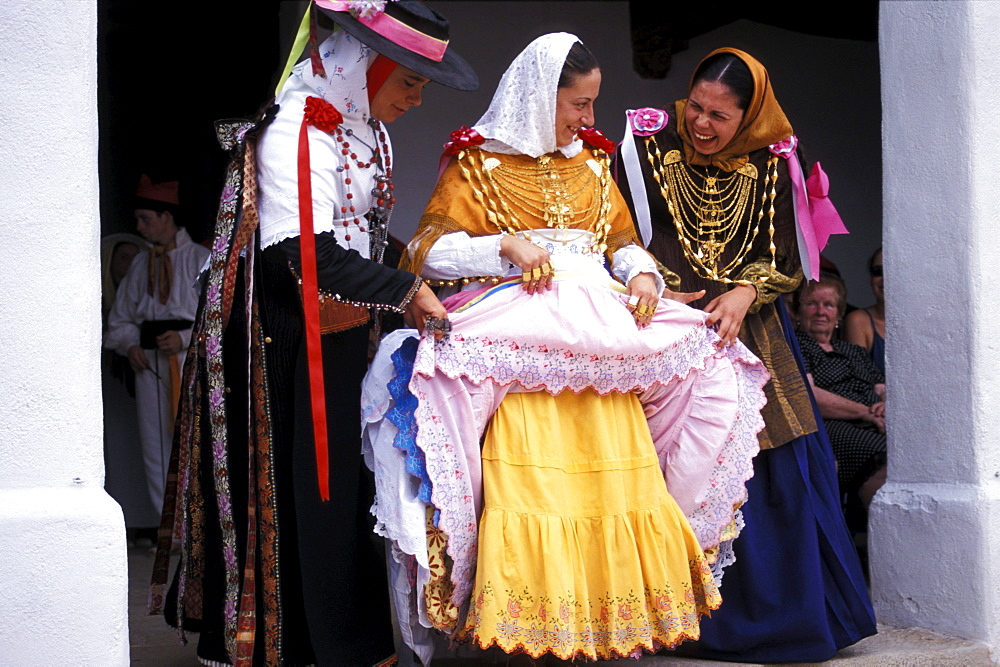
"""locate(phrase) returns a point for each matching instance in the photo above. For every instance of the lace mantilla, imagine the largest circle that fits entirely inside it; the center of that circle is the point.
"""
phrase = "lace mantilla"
(521, 118)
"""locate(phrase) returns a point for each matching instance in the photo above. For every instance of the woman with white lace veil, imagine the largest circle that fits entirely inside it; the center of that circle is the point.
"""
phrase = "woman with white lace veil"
(520, 461)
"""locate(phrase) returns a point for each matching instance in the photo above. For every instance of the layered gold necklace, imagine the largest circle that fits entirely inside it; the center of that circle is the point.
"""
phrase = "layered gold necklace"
(546, 190)
(709, 207)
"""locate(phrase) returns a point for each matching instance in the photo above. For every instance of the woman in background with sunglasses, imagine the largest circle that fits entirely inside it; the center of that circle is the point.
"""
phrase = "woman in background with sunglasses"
(866, 326)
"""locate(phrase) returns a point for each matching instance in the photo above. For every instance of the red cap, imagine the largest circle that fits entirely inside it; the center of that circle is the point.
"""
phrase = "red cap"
(164, 192)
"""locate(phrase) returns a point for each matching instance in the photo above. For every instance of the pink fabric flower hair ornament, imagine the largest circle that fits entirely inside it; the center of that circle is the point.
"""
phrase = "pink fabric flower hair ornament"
(647, 121)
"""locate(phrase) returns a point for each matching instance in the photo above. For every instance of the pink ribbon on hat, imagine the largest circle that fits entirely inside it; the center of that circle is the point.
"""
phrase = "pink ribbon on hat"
(815, 214)
(394, 30)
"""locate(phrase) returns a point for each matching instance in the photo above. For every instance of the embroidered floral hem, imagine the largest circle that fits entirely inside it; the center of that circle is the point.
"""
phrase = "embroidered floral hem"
(584, 554)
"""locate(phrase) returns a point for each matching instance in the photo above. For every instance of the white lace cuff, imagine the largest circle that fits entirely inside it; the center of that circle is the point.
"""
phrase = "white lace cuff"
(631, 260)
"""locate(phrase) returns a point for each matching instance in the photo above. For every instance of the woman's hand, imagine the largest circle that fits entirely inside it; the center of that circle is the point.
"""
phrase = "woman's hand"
(835, 406)
(682, 297)
(423, 305)
(531, 259)
(876, 416)
(642, 298)
(728, 310)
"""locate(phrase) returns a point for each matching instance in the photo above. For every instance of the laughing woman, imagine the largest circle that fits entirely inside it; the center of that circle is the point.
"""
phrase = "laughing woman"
(712, 187)
(616, 433)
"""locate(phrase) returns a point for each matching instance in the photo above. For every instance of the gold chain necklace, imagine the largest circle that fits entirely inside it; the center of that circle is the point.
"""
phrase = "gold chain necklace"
(709, 217)
(545, 190)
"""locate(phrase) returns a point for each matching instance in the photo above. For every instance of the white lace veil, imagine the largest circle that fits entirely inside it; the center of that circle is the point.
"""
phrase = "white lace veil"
(521, 119)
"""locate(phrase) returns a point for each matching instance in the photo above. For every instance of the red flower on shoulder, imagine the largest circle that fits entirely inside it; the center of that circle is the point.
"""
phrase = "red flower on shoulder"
(596, 138)
(462, 138)
(322, 115)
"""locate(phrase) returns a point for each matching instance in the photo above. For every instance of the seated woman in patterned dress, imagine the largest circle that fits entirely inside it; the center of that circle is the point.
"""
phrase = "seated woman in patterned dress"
(849, 389)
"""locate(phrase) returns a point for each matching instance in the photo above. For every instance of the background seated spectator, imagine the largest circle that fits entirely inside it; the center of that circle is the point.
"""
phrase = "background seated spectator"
(866, 326)
(849, 389)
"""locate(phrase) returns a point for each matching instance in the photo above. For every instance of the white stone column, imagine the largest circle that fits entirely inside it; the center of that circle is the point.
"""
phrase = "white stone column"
(63, 569)
(935, 527)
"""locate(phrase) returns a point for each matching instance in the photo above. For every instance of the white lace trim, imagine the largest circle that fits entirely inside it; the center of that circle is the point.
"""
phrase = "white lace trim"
(726, 555)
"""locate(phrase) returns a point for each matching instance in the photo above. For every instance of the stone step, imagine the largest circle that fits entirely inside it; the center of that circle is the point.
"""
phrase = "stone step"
(891, 647)
(153, 643)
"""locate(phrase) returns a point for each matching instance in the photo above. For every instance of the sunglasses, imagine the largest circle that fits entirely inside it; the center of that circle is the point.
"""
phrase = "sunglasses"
(875, 271)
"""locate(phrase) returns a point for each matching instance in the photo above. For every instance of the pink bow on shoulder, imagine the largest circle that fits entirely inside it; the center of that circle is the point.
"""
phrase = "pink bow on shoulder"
(815, 214)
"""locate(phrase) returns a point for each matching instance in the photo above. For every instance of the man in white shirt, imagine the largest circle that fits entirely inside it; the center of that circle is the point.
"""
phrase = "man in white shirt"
(150, 322)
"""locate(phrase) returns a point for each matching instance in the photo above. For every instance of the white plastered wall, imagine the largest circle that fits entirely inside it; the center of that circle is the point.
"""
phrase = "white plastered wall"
(935, 534)
(63, 570)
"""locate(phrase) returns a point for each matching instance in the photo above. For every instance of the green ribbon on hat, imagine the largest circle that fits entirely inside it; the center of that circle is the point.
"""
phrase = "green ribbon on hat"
(298, 46)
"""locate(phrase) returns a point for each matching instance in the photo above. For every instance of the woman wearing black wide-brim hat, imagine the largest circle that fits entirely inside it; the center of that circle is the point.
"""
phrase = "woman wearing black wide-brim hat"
(279, 564)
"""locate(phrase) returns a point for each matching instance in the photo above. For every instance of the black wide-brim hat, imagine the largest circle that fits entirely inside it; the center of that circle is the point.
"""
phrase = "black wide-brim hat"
(411, 34)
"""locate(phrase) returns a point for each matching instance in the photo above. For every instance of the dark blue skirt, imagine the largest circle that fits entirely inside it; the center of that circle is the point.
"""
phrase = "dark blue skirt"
(796, 592)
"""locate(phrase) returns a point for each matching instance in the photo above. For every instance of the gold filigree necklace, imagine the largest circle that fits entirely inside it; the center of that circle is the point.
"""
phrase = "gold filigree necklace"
(545, 190)
(709, 210)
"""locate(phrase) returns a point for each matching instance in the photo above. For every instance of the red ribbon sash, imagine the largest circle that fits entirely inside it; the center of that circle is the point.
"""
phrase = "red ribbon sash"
(310, 307)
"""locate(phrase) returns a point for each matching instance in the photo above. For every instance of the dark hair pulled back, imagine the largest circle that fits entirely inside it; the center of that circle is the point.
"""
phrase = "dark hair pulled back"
(579, 61)
(729, 70)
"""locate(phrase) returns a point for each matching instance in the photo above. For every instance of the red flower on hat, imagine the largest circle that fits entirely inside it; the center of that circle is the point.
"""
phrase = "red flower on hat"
(462, 138)
(596, 138)
(322, 115)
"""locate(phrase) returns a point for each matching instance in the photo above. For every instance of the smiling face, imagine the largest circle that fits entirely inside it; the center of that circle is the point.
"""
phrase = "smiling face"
(819, 311)
(575, 105)
(402, 89)
(712, 116)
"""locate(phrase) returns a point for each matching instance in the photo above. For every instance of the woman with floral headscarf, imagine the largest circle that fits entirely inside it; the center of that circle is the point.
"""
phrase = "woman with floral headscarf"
(278, 565)
(558, 535)
(720, 198)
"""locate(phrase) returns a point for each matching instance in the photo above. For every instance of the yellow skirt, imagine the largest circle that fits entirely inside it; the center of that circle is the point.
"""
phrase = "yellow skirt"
(582, 552)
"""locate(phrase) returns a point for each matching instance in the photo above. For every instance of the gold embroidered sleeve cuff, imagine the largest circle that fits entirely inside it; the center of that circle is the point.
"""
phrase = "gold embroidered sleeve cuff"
(769, 282)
